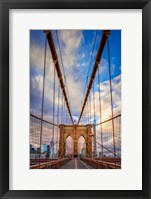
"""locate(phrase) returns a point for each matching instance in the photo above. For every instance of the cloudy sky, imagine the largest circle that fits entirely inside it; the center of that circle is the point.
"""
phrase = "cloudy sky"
(77, 53)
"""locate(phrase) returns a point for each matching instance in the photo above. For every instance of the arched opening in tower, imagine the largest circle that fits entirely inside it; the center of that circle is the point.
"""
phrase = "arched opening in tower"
(69, 147)
(82, 146)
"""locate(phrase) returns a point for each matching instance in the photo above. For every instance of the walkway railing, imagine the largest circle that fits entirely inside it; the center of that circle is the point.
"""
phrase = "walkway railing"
(50, 164)
(101, 164)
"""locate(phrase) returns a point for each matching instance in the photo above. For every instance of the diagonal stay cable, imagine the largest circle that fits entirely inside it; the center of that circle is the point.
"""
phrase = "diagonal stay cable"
(57, 66)
(95, 67)
(92, 52)
(107, 149)
(62, 65)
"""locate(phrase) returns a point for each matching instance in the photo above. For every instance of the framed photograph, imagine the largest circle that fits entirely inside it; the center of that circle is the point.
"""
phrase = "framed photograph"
(75, 99)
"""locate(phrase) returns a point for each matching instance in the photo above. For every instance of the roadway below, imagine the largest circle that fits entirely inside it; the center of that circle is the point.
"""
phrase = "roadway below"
(75, 164)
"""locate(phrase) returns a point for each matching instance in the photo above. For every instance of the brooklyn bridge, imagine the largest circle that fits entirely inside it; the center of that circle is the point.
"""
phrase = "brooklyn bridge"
(86, 135)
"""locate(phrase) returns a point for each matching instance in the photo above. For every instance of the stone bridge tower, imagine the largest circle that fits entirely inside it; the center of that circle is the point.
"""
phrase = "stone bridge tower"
(75, 131)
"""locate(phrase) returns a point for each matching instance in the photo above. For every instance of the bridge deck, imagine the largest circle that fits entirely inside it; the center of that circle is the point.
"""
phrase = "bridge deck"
(75, 164)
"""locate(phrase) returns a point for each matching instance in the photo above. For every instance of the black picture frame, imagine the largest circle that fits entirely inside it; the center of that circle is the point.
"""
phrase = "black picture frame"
(5, 5)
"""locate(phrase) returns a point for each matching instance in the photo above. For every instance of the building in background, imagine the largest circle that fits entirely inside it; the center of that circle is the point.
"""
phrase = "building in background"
(44, 148)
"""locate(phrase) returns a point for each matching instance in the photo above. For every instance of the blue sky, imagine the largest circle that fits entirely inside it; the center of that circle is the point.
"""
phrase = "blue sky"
(76, 49)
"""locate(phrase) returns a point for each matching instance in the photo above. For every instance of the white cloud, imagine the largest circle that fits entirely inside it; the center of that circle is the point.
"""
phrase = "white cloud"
(106, 99)
(37, 82)
(75, 86)
(71, 41)
(37, 57)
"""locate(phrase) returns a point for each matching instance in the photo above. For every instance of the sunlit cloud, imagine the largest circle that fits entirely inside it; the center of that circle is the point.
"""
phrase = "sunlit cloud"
(76, 61)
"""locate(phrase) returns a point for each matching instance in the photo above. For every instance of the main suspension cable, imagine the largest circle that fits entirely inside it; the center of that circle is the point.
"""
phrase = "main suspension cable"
(96, 63)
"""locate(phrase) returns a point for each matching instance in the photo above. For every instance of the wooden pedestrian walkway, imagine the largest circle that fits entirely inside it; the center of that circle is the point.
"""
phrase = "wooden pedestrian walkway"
(75, 164)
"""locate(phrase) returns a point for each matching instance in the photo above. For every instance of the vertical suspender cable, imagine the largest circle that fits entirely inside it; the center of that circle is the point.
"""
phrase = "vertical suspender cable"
(119, 131)
(94, 122)
(37, 137)
(90, 105)
(59, 46)
(58, 110)
(92, 52)
(42, 103)
(34, 133)
(54, 85)
(62, 64)
(62, 110)
(32, 130)
(94, 104)
(96, 63)
(100, 111)
(57, 66)
(64, 114)
(88, 111)
(111, 98)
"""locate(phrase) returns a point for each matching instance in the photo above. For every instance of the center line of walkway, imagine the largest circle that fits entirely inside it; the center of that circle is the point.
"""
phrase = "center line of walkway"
(75, 161)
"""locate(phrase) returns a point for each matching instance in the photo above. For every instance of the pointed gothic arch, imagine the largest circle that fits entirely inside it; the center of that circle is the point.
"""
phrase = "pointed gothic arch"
(69, 145)
(81, 142)
(75, 131)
